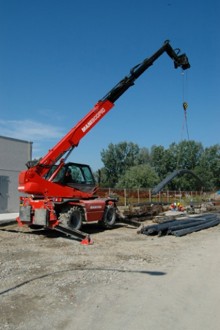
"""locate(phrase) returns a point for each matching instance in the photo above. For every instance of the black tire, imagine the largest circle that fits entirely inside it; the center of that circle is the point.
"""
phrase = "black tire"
(109, 217)
(73, 218)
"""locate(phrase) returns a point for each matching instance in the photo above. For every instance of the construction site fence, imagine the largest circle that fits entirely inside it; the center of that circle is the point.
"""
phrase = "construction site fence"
(132, 196)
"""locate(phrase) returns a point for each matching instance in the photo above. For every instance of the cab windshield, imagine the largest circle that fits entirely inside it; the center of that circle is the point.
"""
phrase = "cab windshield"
(73, 173)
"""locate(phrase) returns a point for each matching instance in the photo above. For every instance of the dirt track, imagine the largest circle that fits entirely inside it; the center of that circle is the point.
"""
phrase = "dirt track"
(122, 281)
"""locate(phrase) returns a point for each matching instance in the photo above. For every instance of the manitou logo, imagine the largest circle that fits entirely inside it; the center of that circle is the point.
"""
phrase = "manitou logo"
(94, 207)
(93, 119)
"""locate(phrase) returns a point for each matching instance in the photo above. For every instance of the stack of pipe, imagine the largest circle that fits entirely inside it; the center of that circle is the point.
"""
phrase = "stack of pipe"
(182, 227)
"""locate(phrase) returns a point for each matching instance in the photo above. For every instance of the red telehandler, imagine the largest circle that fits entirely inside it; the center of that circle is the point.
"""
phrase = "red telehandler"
(61, 195)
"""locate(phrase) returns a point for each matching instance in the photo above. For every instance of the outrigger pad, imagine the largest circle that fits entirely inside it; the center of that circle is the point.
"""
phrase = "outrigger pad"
(87, 241)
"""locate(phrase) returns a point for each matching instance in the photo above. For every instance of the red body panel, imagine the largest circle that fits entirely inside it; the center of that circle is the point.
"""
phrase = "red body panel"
(30, 182)
(94, 210)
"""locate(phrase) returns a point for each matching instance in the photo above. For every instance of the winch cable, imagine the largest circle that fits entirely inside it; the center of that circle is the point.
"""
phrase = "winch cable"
(179, 169)
(185, 124)
(185, 104)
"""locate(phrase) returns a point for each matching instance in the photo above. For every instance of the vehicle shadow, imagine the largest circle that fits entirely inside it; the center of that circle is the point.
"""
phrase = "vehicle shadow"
(146, 272)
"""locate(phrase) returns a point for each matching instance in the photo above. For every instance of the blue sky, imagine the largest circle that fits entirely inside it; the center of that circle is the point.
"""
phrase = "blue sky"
(58, 58)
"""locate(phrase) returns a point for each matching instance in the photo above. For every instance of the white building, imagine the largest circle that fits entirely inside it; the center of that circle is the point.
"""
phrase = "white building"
(14, 154)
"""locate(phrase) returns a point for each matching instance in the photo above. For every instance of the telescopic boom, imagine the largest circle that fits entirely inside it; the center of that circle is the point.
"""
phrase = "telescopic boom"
(73, 137)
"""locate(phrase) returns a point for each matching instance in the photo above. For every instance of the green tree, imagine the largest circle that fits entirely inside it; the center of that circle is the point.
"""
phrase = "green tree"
(208, 168)
(117, 159)
(143, 156)
(162, 160)
(139, 176)
(186, 154)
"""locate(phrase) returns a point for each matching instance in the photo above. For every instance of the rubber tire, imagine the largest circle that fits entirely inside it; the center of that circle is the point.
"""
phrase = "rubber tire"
(109, 217)
(75, 218)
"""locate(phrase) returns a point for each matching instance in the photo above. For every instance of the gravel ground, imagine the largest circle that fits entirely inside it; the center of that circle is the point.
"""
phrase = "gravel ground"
(122, 281)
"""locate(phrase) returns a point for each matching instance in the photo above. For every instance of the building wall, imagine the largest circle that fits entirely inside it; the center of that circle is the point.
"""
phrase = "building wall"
(13, 156)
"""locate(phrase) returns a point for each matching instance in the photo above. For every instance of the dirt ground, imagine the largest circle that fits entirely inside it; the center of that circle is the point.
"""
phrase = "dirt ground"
(124, 280)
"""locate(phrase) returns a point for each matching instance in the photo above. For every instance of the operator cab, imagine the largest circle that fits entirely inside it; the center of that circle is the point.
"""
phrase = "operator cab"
(78, 176)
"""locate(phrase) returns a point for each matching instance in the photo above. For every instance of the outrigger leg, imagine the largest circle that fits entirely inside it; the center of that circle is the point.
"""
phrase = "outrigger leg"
(74, 233)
